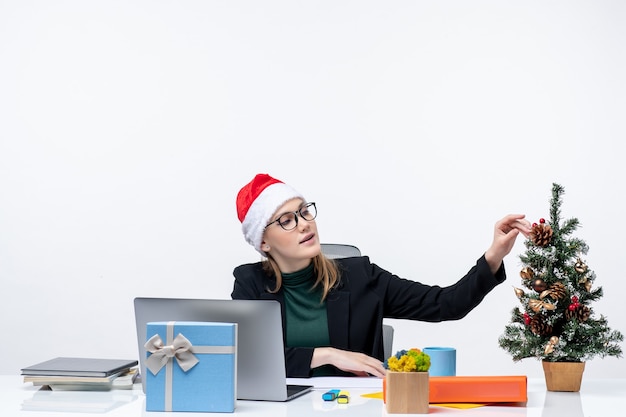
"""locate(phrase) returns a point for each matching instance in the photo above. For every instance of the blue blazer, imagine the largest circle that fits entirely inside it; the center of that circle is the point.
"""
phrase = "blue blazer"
(364, 296)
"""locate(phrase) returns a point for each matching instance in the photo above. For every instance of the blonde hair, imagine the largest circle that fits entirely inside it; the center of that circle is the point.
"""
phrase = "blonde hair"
(326, 271)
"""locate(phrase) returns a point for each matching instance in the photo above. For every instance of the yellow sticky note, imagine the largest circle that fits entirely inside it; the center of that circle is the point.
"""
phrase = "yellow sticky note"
(461, 406)
(376, 395)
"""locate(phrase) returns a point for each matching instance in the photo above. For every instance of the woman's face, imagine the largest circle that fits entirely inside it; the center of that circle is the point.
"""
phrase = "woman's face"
(291, 249)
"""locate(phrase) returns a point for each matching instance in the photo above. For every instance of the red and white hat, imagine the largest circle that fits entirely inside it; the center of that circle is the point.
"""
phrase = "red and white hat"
(257, 202)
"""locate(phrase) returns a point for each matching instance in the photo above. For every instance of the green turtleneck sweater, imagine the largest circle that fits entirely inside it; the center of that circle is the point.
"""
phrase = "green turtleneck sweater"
(306, 318)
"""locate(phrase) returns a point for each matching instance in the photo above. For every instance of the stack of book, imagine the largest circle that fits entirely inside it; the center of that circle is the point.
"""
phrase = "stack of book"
(80, 374)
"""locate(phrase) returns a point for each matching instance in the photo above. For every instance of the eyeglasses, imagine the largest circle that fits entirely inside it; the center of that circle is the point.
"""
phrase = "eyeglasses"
(289, 220)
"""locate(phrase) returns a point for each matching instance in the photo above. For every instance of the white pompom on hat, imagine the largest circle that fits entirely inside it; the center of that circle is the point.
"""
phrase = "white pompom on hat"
(257, 202)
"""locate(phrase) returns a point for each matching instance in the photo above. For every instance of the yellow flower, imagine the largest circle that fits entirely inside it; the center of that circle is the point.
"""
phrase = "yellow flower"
(404, 364)
(413, 360)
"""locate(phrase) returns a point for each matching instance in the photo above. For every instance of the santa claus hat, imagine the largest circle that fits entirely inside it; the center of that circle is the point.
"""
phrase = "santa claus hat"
(257, 202)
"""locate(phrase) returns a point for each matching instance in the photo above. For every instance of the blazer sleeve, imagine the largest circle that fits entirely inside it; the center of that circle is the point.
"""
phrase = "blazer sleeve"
(416, 301)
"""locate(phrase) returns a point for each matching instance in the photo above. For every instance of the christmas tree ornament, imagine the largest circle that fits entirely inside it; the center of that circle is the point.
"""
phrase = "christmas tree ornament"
(539, 285)
(539, 326)
(551, 344)
(544, 294)
(578, 312)
(541, 234)
(580, 267)
(527, 273)
(559, 326)
(586, 282)
(518, 292)
(537, 305)
(556, 292)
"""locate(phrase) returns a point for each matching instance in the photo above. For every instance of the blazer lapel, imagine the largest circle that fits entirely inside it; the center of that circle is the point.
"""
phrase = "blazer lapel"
(338, 311)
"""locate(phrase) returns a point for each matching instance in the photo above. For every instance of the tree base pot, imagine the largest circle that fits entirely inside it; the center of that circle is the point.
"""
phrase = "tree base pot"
(563, 376)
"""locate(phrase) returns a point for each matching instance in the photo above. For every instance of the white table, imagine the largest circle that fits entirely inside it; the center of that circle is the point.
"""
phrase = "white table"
(602, 398)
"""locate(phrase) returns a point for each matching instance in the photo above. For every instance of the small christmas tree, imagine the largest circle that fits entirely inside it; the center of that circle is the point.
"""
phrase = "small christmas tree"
(557, 322)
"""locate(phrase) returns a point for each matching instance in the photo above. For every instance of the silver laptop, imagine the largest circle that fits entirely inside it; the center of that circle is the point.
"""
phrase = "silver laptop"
(260, 355)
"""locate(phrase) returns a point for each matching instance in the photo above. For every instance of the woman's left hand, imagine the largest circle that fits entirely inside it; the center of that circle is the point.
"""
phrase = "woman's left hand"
(505, 233)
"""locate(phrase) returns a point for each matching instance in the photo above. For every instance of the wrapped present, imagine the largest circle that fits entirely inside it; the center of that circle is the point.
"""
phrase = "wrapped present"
(191, 366)
(478, 389)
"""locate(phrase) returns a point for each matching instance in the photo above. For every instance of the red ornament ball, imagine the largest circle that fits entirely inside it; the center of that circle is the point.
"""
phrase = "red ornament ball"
(542, 220)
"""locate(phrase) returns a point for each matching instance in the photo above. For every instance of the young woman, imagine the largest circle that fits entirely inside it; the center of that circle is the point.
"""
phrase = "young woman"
(333, 309)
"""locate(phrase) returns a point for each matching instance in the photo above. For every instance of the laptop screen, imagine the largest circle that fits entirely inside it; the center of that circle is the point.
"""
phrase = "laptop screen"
(260, 353)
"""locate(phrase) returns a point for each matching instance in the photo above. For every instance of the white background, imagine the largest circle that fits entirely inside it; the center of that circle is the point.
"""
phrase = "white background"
(127, 128)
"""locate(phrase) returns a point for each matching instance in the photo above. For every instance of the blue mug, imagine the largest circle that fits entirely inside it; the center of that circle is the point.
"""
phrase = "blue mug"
(442, 360)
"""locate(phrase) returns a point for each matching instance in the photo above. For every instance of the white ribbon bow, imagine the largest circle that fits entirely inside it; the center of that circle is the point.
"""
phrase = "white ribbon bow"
(161, 354)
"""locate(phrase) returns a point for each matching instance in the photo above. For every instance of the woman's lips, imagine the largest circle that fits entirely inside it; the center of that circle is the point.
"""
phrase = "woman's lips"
(308, 237)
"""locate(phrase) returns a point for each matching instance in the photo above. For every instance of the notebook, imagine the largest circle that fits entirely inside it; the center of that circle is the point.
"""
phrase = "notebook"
(260, 355)
(82, 367)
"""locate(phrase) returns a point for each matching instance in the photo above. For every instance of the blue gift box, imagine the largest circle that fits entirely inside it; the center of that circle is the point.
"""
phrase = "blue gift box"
(191, 366)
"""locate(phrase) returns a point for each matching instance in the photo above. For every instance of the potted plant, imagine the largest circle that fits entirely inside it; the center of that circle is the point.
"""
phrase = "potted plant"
(406, 384)
(556, 322)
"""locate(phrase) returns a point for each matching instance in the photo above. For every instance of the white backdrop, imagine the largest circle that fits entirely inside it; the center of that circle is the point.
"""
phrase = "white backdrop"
(127, 128)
